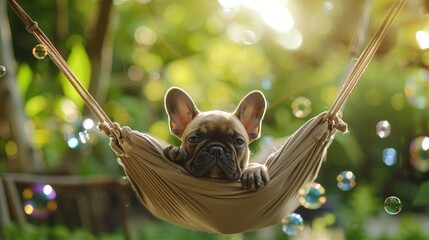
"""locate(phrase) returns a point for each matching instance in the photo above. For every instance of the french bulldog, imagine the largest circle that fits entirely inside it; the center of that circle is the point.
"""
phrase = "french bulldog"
(215, 143)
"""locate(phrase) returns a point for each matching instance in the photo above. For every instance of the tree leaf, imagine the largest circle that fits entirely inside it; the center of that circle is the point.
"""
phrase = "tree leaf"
(24, 77)
(35, 105)
(422, 196)
(80, 64)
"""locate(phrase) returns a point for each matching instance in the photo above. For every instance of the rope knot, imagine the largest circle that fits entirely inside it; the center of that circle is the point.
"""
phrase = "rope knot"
(112, 131)
(338, 123)
(32, 28)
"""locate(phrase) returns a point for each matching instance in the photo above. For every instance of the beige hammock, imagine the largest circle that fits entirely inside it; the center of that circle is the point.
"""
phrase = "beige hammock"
(210, 205)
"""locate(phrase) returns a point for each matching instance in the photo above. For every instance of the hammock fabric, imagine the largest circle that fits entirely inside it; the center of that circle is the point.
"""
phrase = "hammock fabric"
(220, 206)
(211, 205)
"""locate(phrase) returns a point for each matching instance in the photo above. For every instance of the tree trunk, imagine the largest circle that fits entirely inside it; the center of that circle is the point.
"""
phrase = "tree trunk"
(13, 121)
(100, 50)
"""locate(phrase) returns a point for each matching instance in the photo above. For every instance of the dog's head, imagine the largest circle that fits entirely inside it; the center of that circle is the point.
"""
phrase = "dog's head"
(216, 142)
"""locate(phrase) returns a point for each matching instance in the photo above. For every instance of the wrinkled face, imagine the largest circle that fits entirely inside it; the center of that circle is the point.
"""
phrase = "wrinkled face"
(216, 143)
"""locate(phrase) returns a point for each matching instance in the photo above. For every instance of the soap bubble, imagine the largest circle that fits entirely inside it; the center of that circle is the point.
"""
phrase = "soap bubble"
(419, 153)
(39, 200)
(292, 224)
(392, 205)
(383, 129)
(40, 51)
(390, 156)
(346, 180)
(417, 88)
(312, 195)
(248, 37)
(301, 107)
(2, 71)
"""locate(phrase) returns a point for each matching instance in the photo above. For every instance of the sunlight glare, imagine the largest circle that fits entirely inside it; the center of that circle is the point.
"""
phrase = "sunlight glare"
(274, 13)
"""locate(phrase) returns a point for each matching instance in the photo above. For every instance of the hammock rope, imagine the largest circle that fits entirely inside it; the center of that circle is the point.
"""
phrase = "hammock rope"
(364, 60)
(33, 28)
(105, 122)
(211, 205)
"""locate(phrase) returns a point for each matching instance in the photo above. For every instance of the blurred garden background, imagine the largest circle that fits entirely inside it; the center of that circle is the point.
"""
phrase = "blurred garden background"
(66, 179)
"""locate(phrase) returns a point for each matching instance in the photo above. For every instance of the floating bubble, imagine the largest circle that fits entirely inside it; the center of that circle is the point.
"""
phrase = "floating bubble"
(40, 51)
(312, 195)
(301, 107)
(417, 88)
(39, 200)
(419, 153)
(2, 71)
(248, 37)
(392, 205)
(292, 224)
(390, 156)
(383, 129)
(346, 180)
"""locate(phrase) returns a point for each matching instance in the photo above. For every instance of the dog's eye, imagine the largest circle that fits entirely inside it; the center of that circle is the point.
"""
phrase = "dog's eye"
(238, 142)
(193, 139)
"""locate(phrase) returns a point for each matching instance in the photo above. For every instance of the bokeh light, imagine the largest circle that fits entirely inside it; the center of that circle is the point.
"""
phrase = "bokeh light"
(73, 142)
(268, 81)
(390, 156)
(422, 38)
(135, 73)
(145, 36)
(291, 40)
(265, 142)
(419, 153)
(69, 110)
(383, 129)
(84, 137)
(11, 149)
(80, 133)
(40, 52)
(329, 6)
(346, 180)
(392, 205)
(417, 88)
(292, 224)
(2, 71)
(39, 200)
(88, 124)
(312, 195)
(301, 107)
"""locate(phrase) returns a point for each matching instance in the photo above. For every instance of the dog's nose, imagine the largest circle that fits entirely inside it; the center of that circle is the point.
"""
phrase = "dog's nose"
(216, 151)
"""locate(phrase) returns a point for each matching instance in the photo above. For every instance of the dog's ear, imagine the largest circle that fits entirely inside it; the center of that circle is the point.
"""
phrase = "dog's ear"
(250, 112)
(180, 109)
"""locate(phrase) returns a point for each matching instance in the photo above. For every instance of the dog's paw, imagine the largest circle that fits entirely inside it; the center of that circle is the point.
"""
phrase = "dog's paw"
(175, 154)
(255, 176)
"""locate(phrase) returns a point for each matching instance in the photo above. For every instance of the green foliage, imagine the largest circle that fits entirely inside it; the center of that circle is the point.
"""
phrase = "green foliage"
(422, 196)
(25, 76)
(80, 64)
(149, 230)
